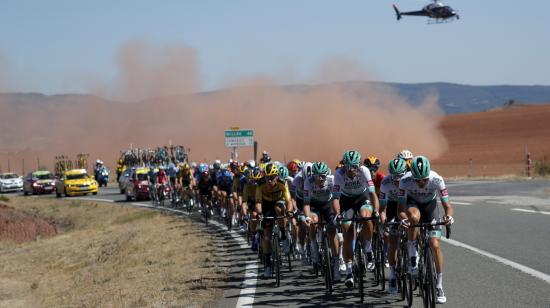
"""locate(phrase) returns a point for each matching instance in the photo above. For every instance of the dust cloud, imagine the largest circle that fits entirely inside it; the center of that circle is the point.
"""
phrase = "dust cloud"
(155, 100)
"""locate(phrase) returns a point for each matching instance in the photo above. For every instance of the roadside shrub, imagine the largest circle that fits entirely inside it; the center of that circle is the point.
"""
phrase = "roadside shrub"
(542, 167)
(4, 198)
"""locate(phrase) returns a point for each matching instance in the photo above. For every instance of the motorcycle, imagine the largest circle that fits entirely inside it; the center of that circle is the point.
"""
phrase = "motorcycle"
(103, 177)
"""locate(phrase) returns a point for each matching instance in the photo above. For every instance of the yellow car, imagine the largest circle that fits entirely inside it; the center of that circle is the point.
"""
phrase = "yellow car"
(76, 182)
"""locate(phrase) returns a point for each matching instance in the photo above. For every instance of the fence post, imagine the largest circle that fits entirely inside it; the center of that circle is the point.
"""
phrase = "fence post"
(528, 163)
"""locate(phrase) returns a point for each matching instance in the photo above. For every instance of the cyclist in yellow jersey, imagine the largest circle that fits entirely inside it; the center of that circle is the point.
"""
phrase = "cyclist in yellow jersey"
(254, 175)
(185, 181)
(272, 200)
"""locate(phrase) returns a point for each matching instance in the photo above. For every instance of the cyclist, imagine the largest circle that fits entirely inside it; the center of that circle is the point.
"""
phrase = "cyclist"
(407, 156)
(171, 172)
(239, 180)
(224, 182)
(204, 188)
(373, 164)
(185, 181)
(353, 188)
(161, 181)
(317, 207)
(297, 194)
(389, 191)
(254, 176)
(214, 172)
(272, 199)
(417, 202)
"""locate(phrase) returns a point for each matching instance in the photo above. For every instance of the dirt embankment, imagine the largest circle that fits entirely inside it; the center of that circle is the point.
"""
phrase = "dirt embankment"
(494, 143)
(19, 226)
(106, 255)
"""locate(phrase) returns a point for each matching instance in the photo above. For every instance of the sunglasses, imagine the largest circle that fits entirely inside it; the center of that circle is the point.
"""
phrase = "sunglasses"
(320, 176)
(352, 167)
(422, 180)
(396, 177)
(271, 178)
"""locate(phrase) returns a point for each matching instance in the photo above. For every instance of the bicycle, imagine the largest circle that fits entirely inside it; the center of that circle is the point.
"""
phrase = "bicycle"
(402, 275)
(426, 263)
(276, 260)
(379, 256)
(325, 256)
(359, 266)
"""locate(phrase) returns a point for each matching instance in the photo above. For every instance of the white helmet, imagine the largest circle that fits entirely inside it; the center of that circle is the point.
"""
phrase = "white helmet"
(405, 154)
(252, 163)
(98, 161)
(307, 170)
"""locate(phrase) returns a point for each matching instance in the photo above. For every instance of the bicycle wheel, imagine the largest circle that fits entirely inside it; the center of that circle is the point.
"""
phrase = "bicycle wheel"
(407, 279)
(289, 253)
(399, 275)
(380, 263)
(360, 269)
(376, 256)
(429, 266)
(327, 262)
(276, 259)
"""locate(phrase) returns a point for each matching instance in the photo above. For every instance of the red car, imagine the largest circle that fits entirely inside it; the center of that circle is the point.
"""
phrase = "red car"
(138, 186)
(39, 182)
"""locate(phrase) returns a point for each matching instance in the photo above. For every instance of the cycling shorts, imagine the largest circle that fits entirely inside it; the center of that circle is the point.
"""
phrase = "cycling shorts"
(429, 212)
(268, 210)
(350, 205)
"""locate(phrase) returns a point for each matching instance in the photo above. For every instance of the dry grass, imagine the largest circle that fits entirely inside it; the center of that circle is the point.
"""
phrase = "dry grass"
(109, 255)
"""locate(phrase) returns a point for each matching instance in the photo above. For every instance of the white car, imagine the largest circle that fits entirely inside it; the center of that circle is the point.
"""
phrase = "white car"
(10, 182)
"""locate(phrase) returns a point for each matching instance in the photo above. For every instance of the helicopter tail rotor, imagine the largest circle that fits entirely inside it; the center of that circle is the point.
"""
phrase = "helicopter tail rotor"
(397, 13)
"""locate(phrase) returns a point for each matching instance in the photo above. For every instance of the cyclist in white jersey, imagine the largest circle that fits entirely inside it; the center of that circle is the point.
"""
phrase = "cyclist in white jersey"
(353, 188)
(317, 207)
(389, 193)
(297, 193)
(418, 192)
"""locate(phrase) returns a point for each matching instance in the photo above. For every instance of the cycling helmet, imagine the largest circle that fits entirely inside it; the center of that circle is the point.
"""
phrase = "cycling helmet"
(270, 170)
(255, 174)
(217, 164)
(352, 158)
(293, 167)
(307, 170)
(420, 167)
(203, 168)
(251, 164)
(283, 173)
(320, 168)
(372, 162)
(193, 165)
(405, 154)
(301, 165)
(185, 166)
(242, 169)
(227, 174)
(397, 166)
(265, 157)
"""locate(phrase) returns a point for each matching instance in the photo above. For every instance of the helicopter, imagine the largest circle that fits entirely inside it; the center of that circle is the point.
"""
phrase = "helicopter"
(437, 12)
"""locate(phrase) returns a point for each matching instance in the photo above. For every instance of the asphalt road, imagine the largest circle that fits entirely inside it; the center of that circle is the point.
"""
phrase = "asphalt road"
(507, 221)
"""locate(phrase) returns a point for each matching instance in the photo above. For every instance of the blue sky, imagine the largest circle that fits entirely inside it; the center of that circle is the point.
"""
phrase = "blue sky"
(54, 46)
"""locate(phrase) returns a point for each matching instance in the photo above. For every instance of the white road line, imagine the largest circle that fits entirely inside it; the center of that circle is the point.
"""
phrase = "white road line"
(533, 272)
(93, 199)
(531, 211)
(248, 291)
(460, 203)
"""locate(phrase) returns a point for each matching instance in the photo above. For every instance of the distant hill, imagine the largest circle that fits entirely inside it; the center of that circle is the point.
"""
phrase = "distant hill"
(456, 98)
(453, 98)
